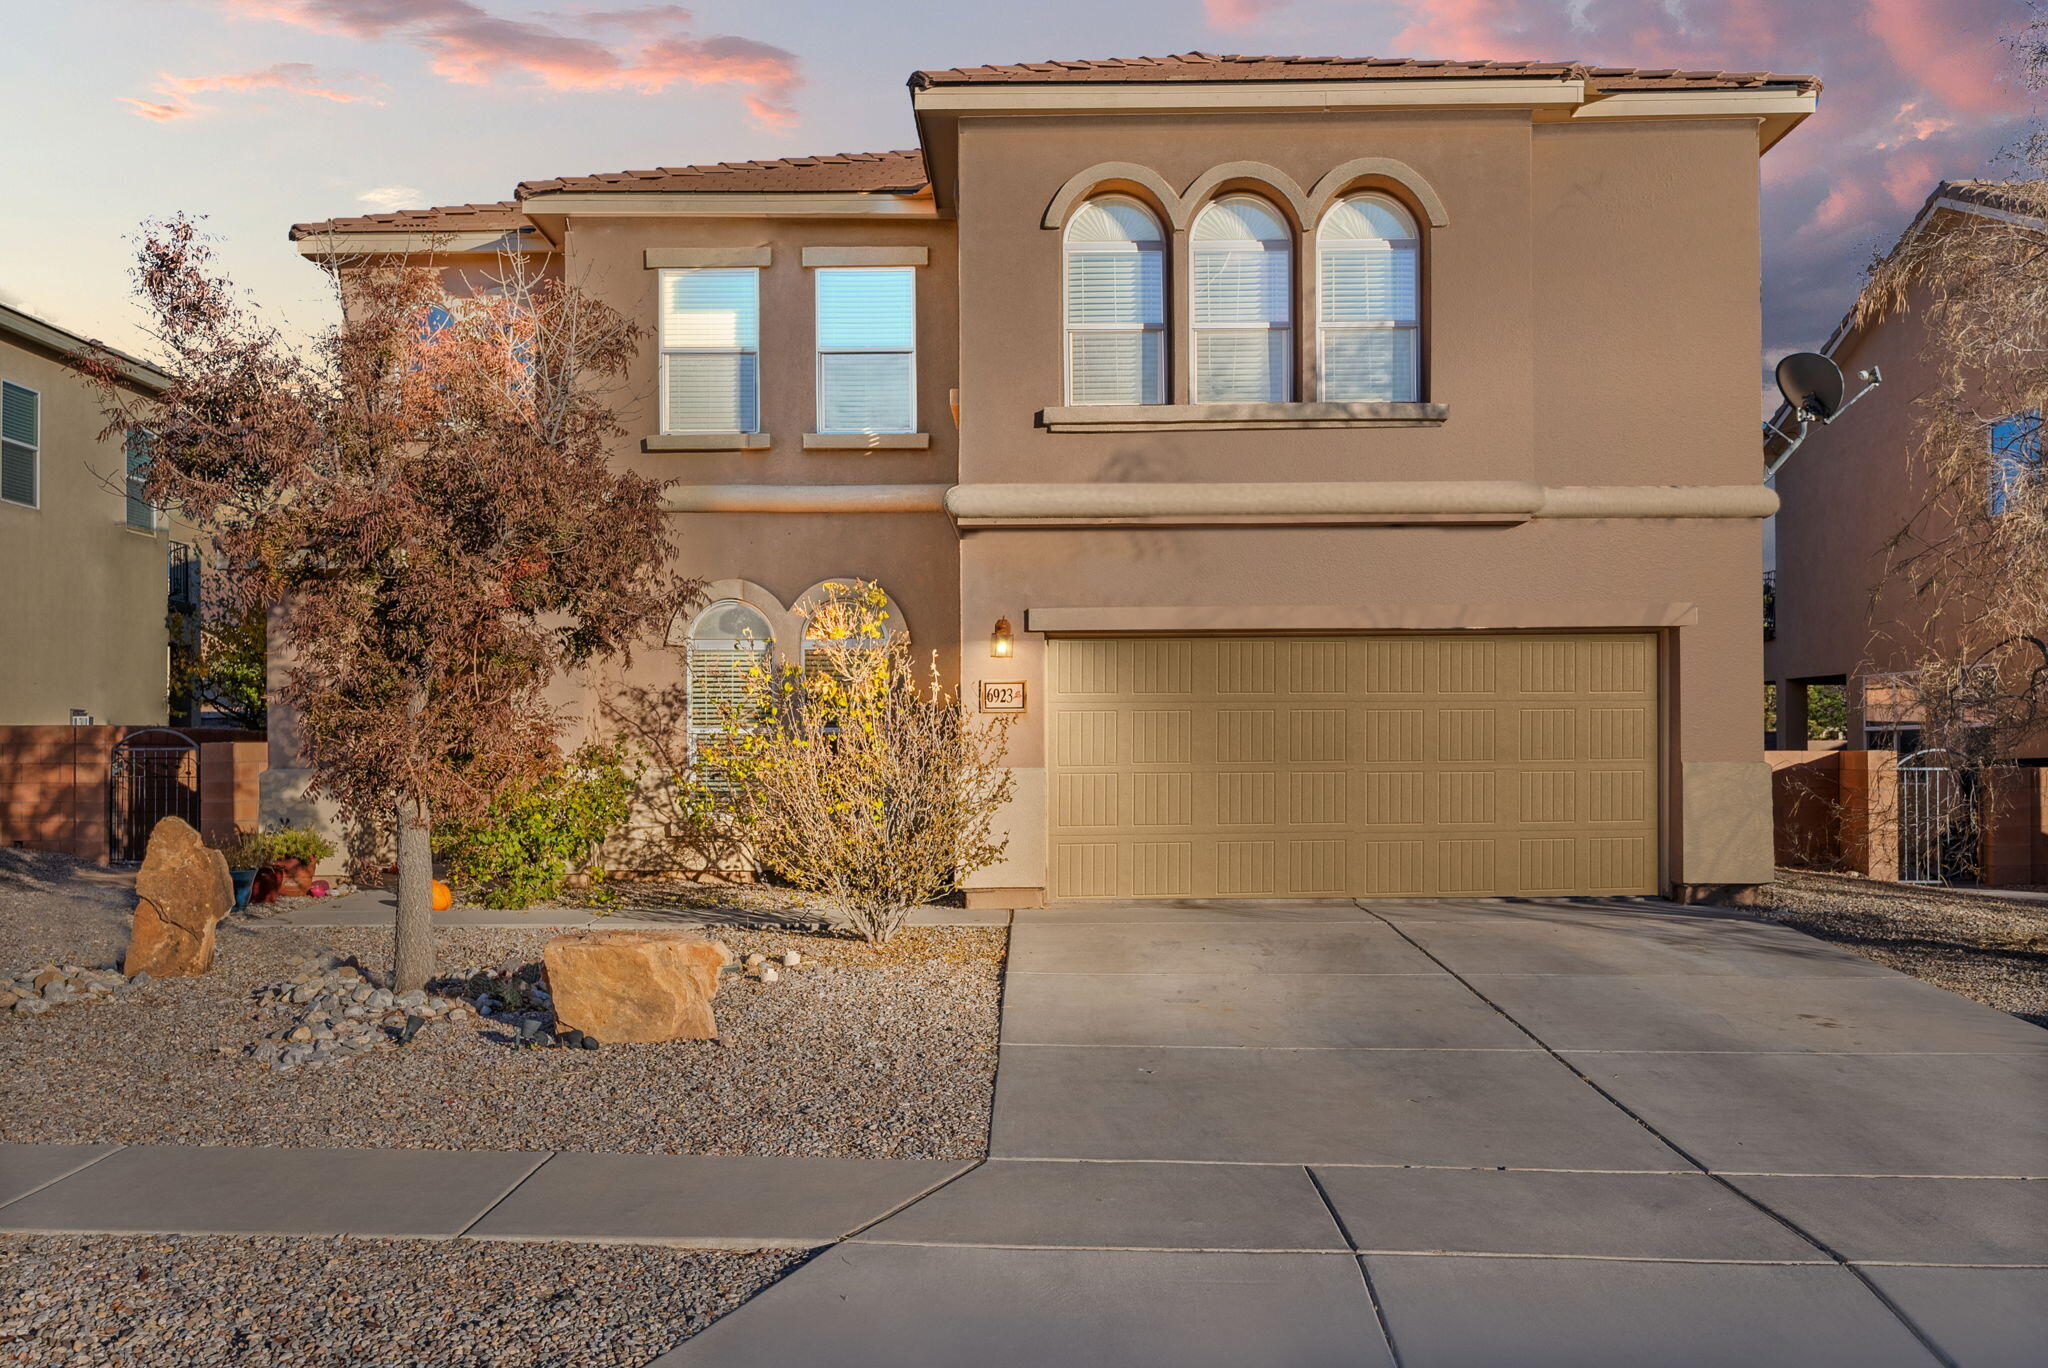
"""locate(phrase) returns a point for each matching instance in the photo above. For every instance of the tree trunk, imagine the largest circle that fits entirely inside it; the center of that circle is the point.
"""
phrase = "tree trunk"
(413, 940)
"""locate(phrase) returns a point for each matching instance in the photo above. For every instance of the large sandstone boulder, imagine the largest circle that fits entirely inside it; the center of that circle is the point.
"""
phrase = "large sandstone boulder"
(628, 985)
(182, 893)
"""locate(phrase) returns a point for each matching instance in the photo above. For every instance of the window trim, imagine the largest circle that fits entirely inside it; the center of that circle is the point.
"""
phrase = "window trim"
(1290, 363)
(35, 448)
(819, 351)
(1161, 249)
(1413, 245)
(665, 351)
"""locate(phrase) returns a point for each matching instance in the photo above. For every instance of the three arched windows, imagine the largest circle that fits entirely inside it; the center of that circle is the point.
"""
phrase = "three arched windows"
(1241, 292)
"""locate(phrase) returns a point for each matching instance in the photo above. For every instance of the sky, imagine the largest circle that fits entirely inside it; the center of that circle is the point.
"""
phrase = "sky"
(260, 113)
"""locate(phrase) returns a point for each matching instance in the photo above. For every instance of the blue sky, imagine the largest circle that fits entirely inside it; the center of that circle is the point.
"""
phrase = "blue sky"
(259, 113)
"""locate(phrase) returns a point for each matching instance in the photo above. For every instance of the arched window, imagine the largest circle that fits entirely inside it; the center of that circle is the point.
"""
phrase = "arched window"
(1243, 303)
(1367, 302)
(1116, 304)
(728, 641)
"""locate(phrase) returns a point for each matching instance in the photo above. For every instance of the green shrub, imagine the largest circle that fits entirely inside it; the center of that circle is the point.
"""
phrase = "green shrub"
(255, 849)
(524, 850)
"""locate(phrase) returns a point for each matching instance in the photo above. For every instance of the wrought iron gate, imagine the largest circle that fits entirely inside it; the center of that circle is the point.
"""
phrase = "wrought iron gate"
(1937, 820)
(154, 775)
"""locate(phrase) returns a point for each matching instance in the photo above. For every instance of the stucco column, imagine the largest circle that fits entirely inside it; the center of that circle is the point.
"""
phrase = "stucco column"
(2009, 818)
(1870, 813)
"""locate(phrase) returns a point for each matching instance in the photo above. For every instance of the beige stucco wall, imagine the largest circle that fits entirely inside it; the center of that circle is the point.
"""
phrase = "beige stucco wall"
(86, 595)
(1592, 319)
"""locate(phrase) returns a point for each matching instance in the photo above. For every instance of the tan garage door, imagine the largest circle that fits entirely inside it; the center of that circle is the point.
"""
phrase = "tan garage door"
(1419, 765)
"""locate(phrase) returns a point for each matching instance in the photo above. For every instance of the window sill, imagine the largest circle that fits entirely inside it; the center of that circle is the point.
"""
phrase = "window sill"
(1235, 417)
(706, 441)
(867, 441)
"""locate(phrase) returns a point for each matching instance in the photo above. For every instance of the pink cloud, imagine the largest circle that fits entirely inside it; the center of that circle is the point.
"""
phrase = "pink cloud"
(646, 48)
(297, 78)
(1917, 91)
(1235, 16)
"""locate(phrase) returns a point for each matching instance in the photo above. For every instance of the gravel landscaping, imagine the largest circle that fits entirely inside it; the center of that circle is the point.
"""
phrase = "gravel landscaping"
(1984, 948)
(91, 1300)
(884, 1053)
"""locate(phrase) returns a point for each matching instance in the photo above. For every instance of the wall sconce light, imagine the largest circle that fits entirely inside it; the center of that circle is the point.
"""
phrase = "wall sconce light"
(1002, 645)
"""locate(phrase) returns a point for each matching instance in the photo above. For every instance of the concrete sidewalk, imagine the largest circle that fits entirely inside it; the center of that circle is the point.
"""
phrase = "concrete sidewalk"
(1569, 1133)
(691, 1201)
(378, 906)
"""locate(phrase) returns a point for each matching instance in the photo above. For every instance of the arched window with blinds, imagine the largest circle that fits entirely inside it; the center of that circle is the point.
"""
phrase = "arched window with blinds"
(1242, 294)
(1369, 328)
(1115, 304)
(728, 641)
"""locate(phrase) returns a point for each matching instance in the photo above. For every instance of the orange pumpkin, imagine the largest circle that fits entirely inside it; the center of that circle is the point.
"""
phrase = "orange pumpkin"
(444, 896)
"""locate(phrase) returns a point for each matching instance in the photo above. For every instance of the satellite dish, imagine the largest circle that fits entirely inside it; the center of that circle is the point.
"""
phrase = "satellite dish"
(1812, 385)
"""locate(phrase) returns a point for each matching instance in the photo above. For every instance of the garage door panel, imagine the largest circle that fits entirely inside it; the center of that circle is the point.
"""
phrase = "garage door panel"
(1348, 767)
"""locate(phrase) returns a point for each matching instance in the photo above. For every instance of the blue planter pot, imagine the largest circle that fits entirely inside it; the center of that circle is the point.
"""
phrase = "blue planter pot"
(245, 881)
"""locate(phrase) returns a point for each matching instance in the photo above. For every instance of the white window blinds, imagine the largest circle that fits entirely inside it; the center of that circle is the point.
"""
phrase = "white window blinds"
(1242, 289)
(140, 513)
(867, 349)
(1368, 325)
(729, 641)
(711, 350)
(21, 440)
(1115, 305)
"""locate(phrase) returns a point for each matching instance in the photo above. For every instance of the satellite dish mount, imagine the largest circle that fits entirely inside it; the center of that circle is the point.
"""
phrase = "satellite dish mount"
(1813, 388)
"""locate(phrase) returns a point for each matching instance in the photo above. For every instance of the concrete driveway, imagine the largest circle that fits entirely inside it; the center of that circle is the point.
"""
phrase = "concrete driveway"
(1459, 1133)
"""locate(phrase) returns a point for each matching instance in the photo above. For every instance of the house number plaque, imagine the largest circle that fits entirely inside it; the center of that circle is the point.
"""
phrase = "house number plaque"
(1002, 695)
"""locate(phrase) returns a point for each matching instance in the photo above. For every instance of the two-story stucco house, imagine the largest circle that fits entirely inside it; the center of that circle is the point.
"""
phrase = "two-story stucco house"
(1349, 467)
(1849, 489)
(83, 556)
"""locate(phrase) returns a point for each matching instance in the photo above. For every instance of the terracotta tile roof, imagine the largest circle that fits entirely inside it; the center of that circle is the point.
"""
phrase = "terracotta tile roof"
(502, 216)
(1205, 66)
(2002, 195)
(839, 172)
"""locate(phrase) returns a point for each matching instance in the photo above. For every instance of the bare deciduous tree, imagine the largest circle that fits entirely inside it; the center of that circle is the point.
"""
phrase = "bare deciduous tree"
(426, 490)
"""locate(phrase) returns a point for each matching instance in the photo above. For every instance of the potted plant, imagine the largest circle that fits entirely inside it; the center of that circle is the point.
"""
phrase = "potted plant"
(297, 853)
(246, 854)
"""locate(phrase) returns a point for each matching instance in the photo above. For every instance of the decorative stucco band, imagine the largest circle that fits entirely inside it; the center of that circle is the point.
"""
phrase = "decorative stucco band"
(686, 258)
(1376, 617)
(897, 498)
(1306, 206)
(1024, 505)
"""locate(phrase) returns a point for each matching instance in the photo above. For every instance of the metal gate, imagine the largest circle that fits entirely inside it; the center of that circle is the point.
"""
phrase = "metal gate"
(154, 775)
(1937, 820)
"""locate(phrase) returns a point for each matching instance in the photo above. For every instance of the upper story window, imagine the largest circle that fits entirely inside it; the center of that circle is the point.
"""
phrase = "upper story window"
(1116, 304)
(2015, 459)
(1242, 298)
(1367, 301)
(711, 350)
(867, 349)
(21, 442)
(141, 513)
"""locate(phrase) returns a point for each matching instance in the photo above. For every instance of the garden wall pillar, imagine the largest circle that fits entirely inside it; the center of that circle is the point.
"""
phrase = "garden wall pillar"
(1870, 813)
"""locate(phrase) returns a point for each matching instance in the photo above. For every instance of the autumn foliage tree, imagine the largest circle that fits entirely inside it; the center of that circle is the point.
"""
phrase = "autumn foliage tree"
(424, 491)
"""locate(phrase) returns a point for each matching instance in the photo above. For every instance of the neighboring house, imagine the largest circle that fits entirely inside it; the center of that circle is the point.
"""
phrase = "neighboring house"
(1348, 467)
(1848, 490)
(87, 562)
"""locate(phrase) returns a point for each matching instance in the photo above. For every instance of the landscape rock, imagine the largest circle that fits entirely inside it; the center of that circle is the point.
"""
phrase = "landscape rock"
(183, 891)
(635, 985)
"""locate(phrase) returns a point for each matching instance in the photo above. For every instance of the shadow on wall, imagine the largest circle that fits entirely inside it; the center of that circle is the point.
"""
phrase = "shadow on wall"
(668, 832)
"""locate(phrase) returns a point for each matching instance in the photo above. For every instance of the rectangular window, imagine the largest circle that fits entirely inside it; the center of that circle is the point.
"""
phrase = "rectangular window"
(1116, 324)
(867, 349)
(1242, 315)
(1369, 312)
(2015, 460)
(21, 443)
(711, 350)
(141, 513)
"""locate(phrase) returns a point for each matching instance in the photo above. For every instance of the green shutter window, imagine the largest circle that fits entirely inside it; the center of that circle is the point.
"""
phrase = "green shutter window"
(21, 440)
(140, 513)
